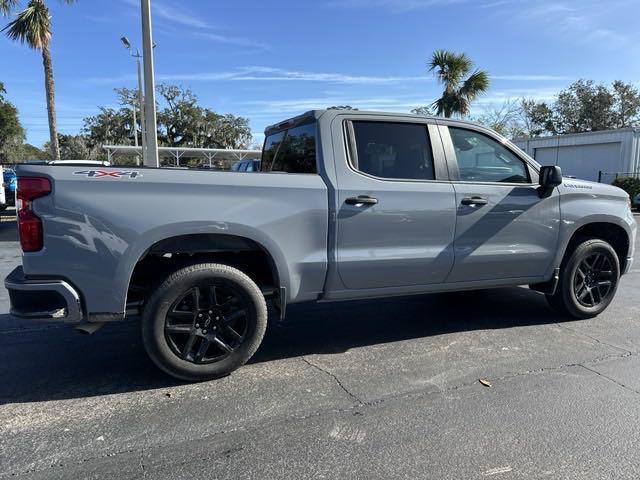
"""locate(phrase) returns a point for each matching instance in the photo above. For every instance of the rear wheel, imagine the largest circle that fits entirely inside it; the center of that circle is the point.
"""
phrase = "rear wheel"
(204, 321)
(588, 280)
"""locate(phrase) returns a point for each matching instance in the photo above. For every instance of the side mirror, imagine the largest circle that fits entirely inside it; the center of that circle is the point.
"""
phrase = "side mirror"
(550, 177)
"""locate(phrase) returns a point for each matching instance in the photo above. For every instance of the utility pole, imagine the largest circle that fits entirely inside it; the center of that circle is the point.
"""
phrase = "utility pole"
(151, 159)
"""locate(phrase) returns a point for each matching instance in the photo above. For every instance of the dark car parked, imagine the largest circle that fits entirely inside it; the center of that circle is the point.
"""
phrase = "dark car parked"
(246, 166)
(10, 181)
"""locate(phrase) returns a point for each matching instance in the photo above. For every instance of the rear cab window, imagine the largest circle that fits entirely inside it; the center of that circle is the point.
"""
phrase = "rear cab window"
(392, 150)
(292, 150)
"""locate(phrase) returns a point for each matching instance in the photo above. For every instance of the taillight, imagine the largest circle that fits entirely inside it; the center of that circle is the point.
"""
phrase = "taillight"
(29, 224)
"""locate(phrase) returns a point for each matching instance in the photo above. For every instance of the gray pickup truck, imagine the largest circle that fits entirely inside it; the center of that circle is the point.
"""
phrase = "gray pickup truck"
(349, 205)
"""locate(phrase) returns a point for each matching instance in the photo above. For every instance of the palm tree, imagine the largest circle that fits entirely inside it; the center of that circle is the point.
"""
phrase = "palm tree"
(33, 27)
(451, 69)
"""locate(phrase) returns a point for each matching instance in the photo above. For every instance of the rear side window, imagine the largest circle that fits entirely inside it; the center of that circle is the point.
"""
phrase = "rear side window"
(292, 151)
(393, 150)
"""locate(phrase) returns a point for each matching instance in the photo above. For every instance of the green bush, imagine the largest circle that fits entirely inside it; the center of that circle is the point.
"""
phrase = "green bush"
(628, 184)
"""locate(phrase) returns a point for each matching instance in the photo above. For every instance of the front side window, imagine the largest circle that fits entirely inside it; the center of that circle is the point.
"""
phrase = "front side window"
(393, 150)
(483, 159)
(292, 151)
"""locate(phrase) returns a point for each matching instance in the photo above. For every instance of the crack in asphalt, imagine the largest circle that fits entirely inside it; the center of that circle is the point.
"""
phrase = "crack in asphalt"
(144, 471)
(600, 374)
(335, 378)
(595, 339)
(360, 404)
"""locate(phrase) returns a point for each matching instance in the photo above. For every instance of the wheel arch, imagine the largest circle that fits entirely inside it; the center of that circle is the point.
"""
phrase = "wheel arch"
(609, 230)
(187, 246)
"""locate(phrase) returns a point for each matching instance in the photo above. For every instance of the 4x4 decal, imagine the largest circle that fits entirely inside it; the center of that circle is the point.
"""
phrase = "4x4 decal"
(109, 173)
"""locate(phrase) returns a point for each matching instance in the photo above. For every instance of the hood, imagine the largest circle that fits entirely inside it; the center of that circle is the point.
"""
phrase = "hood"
(584, 186)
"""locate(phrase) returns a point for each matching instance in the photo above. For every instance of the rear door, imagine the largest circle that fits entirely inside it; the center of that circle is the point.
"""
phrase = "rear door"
(395, 207)
(503, 229)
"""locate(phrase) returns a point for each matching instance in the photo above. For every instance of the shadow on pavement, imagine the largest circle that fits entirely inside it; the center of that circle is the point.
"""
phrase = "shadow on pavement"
(52, 362)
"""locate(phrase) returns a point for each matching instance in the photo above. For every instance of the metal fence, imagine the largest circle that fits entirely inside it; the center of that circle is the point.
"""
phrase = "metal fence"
(609, 177)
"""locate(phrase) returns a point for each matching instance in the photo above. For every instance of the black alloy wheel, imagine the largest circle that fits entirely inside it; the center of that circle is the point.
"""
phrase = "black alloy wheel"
(206, 324)
(593, 280)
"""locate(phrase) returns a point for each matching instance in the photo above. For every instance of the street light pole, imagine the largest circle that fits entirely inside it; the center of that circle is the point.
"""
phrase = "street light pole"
(142, 119)
(151, 159)
(140, 99)
(135, 130)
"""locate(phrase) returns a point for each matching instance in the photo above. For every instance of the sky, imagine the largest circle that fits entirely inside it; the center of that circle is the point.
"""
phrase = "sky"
(270, 60)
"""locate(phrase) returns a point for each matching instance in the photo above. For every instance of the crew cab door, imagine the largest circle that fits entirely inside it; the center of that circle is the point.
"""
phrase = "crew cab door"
(504, 229)
(394, 208)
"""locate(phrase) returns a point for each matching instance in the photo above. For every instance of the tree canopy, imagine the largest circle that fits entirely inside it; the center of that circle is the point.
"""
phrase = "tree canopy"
(11, 131)
(584, 107)
(182, 122)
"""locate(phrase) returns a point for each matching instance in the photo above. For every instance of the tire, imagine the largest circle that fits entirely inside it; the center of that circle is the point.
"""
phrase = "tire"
(203, 322)
(589, 277)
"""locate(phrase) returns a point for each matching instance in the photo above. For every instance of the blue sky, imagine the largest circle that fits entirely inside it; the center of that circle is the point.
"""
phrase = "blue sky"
(268, 60)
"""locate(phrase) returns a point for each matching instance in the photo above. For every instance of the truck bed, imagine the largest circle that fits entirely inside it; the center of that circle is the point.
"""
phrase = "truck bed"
(100, 221)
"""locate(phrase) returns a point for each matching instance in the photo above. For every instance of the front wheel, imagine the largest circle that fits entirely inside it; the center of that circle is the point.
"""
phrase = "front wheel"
(204, 321)
(588, 280)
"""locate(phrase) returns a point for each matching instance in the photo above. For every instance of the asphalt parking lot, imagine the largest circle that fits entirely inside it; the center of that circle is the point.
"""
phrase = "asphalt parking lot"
(379, 389)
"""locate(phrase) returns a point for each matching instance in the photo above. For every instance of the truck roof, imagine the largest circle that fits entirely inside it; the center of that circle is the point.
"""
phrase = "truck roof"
(336, 111)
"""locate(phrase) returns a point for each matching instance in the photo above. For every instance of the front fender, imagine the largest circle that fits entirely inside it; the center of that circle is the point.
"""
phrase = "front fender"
(572, 222)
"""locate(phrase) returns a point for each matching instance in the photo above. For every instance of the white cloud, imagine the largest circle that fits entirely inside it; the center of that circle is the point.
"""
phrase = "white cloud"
(203, 29)
(272, 74)
(393, 5)
(531, 78)
(231, 40)
(268, 74)
(575, 22)
(400, 103)
(181, 16)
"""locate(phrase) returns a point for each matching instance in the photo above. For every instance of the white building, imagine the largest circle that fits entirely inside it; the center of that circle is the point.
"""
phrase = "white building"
(590, 156)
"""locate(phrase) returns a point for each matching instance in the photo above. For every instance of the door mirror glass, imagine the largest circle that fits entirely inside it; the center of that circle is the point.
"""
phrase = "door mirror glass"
(550, 176)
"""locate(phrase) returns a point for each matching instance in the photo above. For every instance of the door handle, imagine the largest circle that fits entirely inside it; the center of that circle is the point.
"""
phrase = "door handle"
(474, 201)
(361, 200)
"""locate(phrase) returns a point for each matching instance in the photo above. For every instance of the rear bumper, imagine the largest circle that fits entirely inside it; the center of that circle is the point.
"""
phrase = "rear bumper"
(39, 299)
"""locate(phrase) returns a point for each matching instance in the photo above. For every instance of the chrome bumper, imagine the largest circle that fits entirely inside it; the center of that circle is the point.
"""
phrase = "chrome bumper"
(40, 299)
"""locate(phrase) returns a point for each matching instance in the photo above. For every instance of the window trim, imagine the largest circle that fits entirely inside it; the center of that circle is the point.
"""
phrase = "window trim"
(351, 150)
(452, 161)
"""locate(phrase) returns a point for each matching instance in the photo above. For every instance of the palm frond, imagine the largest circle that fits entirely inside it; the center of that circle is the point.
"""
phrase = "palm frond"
(7, 5)
(439, 107)
(31, 26)
(477, 84)
(450, 67)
